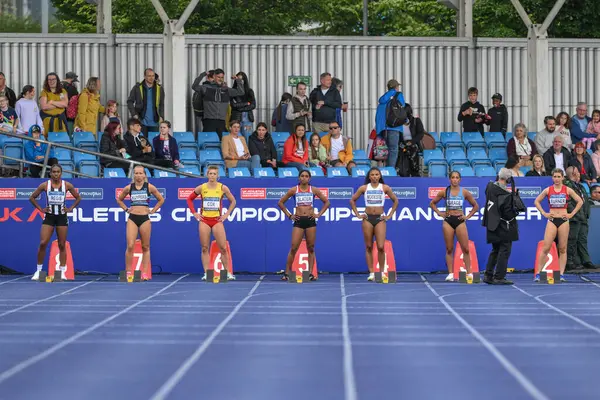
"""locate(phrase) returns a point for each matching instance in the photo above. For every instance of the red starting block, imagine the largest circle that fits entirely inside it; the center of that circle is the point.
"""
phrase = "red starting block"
(215, 271)
(551, 267)
(388, 275)
(299, 269)
(54, 262)
(459, 269)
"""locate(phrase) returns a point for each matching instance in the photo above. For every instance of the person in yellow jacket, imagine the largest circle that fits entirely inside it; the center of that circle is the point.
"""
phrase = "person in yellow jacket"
(339, 147)
(53, 105)
(89, 107)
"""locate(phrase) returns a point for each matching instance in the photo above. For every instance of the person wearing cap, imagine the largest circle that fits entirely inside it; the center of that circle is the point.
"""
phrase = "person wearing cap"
(6, 91)
(498, 113)
(36, 152)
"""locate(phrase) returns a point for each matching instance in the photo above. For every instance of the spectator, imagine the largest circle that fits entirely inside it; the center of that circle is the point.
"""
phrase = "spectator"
(408, 163)
(110, 114)
(146, 102)
(318, 154)
(325, 100)
(295, 149)
(262, 148)
(112, 144)
(563, 125)
(557, 156)
(166, 152)
(339, 85)
(235, 150)
(390, 133)
(544, 138)
(36, 152)
(512, 164)
(583, 162)
(197, 98)
(472, 113)
(498, 120)
(592, 128)
(520, 147)
(279, 118)
(538, 168)
(69, 84)
(53, 103)
(299, 110)
(578, 256)
(596, 195)
(596, 156)
(27, 109)
(339, 147)
(242, 106)
(89, 106)
(215, 101)
(9, 121)
(579, 123)
(137, 145)
(8, 92)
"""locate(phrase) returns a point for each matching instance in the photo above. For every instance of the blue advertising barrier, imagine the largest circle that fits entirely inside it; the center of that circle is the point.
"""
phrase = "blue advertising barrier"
(258, 232)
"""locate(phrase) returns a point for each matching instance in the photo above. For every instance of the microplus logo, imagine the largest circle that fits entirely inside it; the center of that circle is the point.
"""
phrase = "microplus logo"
(340, 193)
(529, 192)
(405, 193)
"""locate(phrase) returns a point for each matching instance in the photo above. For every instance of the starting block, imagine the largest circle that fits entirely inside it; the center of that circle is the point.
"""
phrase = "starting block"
(299, 277)
(220, 277)
(550, 272)
(459, 263)
(43, 276)
(389, 275)
(300, 266)
(129, 278)
(54, 262)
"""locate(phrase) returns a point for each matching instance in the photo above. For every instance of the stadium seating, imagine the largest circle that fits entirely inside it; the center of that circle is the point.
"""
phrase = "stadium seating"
(83, 157)
(497, 153)
(438, 169)
(473, 139)
(337, 172)
(279, 138)
(163, 174)
(210, 156)
(62, 155)
(316, 171)
(456, 156)
(59, 137)
(221, 170)
(208, 140)
(477, 155)
(525, 170)
(287, 172)
(433, 155)
(152, 135)
(360, 157)
(388, 171)
(91, 168)
(494, 139)
(465, 170)
(321, 134)
(185, 140)
(85, 140)
(508, 136)
(360, 171)
(531, 135)
(264, 172)
(190, 169)
(239, 173)
(12, 147)
(451, 139)
(485, 170)
(114, 173)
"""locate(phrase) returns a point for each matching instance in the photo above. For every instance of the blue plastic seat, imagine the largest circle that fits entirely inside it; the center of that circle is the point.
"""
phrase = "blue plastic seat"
(436, 136)
(388, 171)
(316, 171)
(484, 171)
(465, 170)
(208, 140)
(163, 174)
(321, 134)
(494, 139)
(84, 138)
(152, 135)
(287, 172)
(114, 173)
(12, 148)
(531, 135)
(497, 153)
(279, 138)
(360, 171)
(62, 155)
(360, 158)
(185, 140)
(433, 155)
(473, 139)
(337, 172)
(438, 169)
(188, 155)
(190, 169)
(451, 139)
(211, 156)
(239, 172)
(59, 137)
(477, 155)
(267, 172)
(508, 136)
(456, 156)
(83, 157)
(91, 168)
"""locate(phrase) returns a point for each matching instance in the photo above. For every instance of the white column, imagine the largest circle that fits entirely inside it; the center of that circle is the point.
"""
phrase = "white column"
(175, 75)
(104, 16)
(539, 79)
(45, 11)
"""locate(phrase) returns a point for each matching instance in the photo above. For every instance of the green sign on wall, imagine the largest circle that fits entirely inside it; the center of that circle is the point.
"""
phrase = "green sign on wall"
(293, 80)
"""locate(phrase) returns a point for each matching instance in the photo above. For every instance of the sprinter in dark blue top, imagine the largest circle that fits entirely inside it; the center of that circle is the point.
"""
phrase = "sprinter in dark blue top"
(139, 221)
(454, 218)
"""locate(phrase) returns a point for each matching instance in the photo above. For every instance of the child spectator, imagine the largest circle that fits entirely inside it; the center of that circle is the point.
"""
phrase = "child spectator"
(279, 119)
(36, 152)
(472, 113)
(110, 114)
(317, 154)
(9, 121)
(564, 128)
(593, 128)
(596, 156)
(166, 152)
(498, 114)
(27, 109)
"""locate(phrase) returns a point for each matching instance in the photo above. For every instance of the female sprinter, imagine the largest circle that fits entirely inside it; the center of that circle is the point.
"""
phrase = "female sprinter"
(139, 221)
(558, 220)
(55, 217)
(454, 219)
(210, 217)
(374, 191)
(304, 217)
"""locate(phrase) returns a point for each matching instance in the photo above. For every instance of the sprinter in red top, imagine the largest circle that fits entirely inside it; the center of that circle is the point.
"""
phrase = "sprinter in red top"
(558, 220)
(304, 217)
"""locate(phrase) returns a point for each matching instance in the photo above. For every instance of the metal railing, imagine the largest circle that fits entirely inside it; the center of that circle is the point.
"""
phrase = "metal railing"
(44, 165)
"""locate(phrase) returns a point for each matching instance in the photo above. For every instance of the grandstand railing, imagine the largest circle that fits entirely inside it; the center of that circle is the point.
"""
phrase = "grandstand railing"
(45, 166)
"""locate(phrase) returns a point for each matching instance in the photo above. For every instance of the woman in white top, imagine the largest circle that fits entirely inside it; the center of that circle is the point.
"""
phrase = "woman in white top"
(235, 150)
(28, 110)
(374, 217)
(520, 147)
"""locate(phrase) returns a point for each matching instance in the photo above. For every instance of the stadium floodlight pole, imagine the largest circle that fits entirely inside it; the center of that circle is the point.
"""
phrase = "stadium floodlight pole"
(45, 11)
(365, 17)
(537, 64)
(104, 16)
(174, 74)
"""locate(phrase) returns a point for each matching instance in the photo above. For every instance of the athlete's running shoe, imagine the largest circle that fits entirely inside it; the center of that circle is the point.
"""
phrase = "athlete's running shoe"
(63, 275)
(204, 277)
(36, 276)
(285, 277)
(562, 278)
(537, 278)
(312, 277)
(450, 278)
(230, 277)
(371, 277)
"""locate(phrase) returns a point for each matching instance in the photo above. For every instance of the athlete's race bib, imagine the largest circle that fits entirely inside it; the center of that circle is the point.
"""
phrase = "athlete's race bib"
(304, 199)
(211, 204)
(55, 198)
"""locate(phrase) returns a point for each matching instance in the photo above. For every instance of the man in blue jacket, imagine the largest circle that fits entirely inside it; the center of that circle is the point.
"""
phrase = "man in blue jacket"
(36, 152)
(579, 123)
(391, 134)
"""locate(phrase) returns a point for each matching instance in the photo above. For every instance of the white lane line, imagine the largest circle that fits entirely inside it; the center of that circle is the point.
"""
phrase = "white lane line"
(178, 375)
(349, 380)
(48, 352)
(508, 366)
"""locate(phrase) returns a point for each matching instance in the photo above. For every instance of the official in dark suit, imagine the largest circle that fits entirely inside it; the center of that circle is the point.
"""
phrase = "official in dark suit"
(502, 228)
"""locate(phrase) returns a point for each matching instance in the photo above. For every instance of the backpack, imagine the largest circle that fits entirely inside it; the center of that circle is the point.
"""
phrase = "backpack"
(395, 114)
(510, 205)
(380, 149)
(428, 142)
(72, 107)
